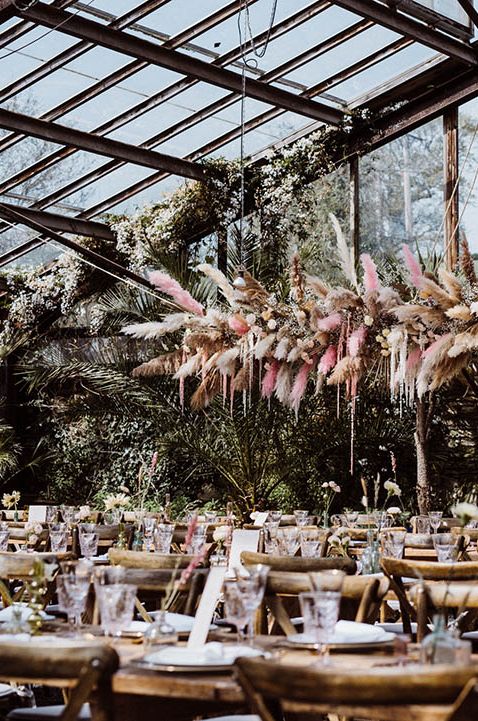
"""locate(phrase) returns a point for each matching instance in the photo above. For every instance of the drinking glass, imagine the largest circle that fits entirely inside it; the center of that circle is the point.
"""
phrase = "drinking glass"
(351, 518)
(270, 536)
(320, 611)
(163, 537)
(51, 515)
(435, 520)
(198, 540)
(235, 607)
(275, 516)
(4, 534)
(149, 525)
(422, 524)
(210, 517)
(393, 543)
(288, 540)
(300, 517)
(446, 547)
(88, 544)
(59, 541)
(72, 593)
(68, 514)
(116, 603)
(381, 519)
(309, 542)
(253, 587)
(112, 517)
(328, 580)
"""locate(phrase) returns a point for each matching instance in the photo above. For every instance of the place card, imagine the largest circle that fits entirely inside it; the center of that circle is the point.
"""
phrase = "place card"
(37, 513)
(242, 540)
(261, 518)
(207, 606)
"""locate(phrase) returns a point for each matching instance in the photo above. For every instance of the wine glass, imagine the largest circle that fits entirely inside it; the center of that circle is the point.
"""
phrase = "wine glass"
(116, 602)
(435, 520)
(88, 544)
(59, 541)
(149, 525)
(253, 587)
(288, 540)
(235, 607)
(163, 537)
(4, 534)
(72, 593)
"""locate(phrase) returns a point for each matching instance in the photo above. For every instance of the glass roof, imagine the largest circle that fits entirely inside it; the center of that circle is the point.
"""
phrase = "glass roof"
(316, 49)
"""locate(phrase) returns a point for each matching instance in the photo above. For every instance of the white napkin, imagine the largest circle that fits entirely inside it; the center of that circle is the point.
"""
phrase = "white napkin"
(211, 654)
(6, 614)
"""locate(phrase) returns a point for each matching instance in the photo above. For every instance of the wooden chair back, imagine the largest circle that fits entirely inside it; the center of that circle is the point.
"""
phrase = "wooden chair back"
(275, 691)
(144, 559)
(107, 537)
(397, 569)
(17, 536)
(361, 597)
(91, 667)
(297, 563)
(441, 597)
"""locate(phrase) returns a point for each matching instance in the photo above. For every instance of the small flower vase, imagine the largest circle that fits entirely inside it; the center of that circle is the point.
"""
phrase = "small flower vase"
(325, 519)
(15, 515)
(121, 543)
(159, 634)
(371, 555)
(219, 558)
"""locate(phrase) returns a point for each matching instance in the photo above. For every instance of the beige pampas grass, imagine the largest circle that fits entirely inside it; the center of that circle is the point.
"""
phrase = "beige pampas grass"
(209, 387)
(448, 369)
(190, 367)
(346, 254)
(389, 299)
(316, 285)
(345, 369)
(464, 342)
(226, 362)
(432, 317)
(170, 324)
(459, 312)
(166, 364)
(432, 358)
(429, 288)
(284, 381)
(220, 280)
(241, 380)
(341, 299)
(264, 345)
(451, 284)
(282, 348)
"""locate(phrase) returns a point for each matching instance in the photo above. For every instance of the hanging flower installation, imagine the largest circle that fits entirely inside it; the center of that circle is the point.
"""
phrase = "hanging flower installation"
(416, 339)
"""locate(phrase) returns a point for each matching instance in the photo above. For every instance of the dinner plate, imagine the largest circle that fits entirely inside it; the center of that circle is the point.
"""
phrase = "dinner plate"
(47, 641)
(180, 621)
(210, 657)
(347, 634)
(6, 614)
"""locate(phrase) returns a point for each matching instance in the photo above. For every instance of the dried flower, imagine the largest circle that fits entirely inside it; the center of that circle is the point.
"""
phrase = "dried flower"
(118, 500)
(392, 488)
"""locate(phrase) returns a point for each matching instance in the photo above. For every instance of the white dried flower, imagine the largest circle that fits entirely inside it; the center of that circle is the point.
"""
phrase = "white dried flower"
(220, 534)
(392, 488)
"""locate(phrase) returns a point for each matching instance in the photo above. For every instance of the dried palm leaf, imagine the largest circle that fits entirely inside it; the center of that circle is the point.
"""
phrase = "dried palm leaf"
(170, 324)
(209, 387)
(166, 364)
(241, 380)
(220, 280)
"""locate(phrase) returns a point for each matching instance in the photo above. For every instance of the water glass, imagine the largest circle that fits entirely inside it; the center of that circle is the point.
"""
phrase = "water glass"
(51, 515)
(309, 542)
(422, 524)
(393, 543)
(59, 541)
(253, 587)
(163, 537)
(300, 517)
(328, 580)
(435, 520)
(288, 540)
(381, 519)
(320, 611)
(112, 517)
(116, 603)
(68, 514)
(236, 607)
(4, 534)
(210, 517)
(198, 540)
(149, 525)
(351, 518)
(88, 544)
(269, 531)
(275, 516)
(72, 593)
(446, 547)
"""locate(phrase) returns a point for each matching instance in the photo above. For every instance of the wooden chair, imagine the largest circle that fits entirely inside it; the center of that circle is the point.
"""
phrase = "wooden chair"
(90, 668)
(152, 584)
(144, 559)
(275, 691)
(17, 536)
(297, 563)
(361, 598)
(16, 568)
(397, 570)
(460, 597)
(107, 537)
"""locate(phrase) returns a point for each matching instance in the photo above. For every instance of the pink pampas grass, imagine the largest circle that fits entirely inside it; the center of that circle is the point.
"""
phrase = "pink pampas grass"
(299, 386)
(171, 287)
(413, 360)
(356, 341)
(370, 278)
(330, 322)
(270, 380)
(239, 324)
(328, 360)
(413, 266)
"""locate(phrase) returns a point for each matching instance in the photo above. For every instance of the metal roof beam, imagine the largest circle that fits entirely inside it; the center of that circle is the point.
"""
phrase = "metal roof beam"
(405, 25)
(178, 62)
(470, 10)
(63, 223)
(64, 135)
(100, 261)
(20, 250)
(155, 100)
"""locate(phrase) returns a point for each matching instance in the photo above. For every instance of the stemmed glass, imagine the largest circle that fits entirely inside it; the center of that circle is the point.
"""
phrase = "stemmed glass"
(163, 537)
(68, 514)
(72, 587)
(116, 602)
(435, 520)
(320, 611)
(149, 525)
(235, 606)
(288, 540)
(253, 588)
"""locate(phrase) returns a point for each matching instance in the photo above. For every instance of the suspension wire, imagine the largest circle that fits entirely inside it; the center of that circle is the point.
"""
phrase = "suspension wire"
(48, 32)
(246, 37)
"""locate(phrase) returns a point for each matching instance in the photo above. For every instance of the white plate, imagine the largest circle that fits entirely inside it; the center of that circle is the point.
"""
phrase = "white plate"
(396, 627)
(348, 633)
(46, 641)
(179, 621)
(470, 635)
(210, 656)
(6, 614)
